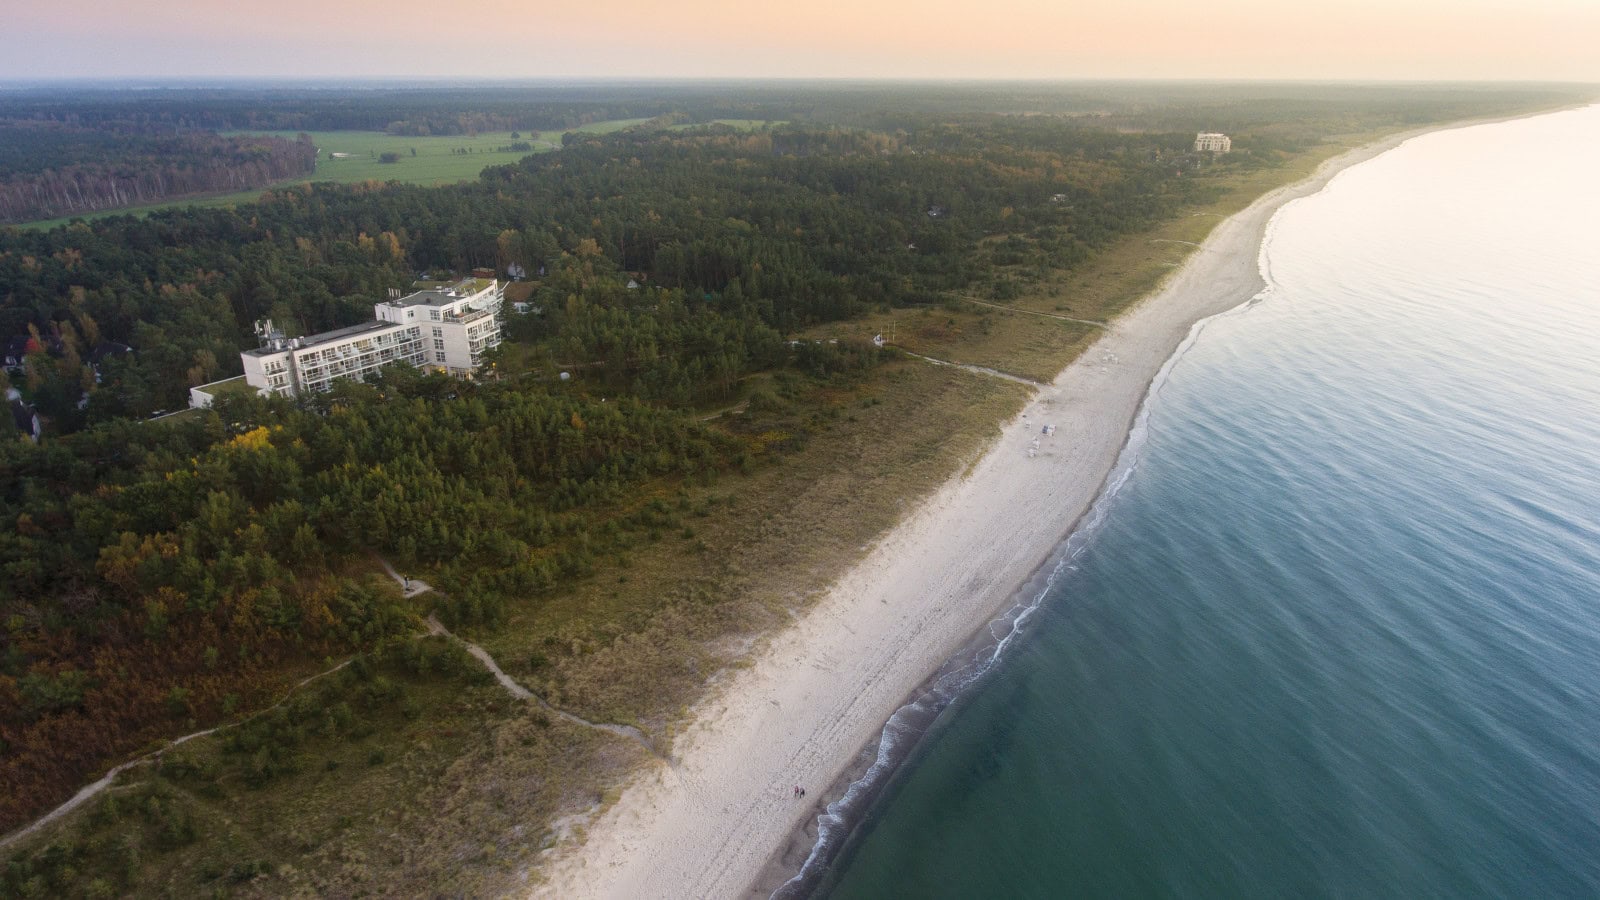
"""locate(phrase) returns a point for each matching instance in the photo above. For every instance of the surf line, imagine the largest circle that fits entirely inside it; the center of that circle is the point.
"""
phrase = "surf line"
(910, 723)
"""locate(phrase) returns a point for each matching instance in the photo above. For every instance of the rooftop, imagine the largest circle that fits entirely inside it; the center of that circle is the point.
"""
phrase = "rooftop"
(235, 385)
(327, 337)
(438, 293)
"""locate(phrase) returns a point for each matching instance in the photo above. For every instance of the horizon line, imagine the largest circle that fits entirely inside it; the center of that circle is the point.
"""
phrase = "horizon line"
(135, 81)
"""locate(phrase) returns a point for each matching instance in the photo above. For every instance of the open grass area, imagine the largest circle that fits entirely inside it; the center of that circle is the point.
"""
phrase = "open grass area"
(354, 156)
(438, 159)
(740, 124)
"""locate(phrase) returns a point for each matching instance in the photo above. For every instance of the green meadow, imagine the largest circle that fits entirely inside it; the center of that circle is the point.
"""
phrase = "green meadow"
(431, 160)
(348, 157)
(740, 124)
(353, 156)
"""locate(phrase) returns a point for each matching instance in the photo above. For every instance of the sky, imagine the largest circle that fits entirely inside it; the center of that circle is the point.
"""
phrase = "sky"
(1478, 40)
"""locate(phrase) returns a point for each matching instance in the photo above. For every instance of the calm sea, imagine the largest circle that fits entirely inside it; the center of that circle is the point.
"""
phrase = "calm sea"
(1338, 634)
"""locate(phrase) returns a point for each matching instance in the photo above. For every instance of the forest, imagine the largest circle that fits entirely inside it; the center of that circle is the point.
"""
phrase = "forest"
(430, 108)
(49, 170)
(81, 149)
(778, 230)
(162, 576)
(157, 575)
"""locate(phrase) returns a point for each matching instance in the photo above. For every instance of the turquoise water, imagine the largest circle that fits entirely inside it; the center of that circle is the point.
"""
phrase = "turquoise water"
(1338, 634)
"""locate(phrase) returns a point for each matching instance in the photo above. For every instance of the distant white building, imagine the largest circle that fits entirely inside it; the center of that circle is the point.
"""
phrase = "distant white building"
(447, 329)
(1212, 142)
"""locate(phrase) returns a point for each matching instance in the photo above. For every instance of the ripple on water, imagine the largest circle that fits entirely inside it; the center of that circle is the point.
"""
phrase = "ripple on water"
(1340, 633)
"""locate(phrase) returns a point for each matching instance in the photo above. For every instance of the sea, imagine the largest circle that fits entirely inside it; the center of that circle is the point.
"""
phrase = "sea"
(1335, 629)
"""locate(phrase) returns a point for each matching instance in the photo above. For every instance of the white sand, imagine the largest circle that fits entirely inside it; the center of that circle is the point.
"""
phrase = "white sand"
(706, 826)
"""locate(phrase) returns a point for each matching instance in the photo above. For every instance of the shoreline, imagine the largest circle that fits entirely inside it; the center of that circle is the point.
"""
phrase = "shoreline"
(720, 820)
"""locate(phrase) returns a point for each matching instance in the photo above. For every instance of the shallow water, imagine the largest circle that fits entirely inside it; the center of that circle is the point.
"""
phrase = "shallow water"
(1339, 632)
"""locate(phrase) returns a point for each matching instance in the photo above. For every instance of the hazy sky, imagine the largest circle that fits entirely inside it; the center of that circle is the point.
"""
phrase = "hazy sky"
(1377, 39)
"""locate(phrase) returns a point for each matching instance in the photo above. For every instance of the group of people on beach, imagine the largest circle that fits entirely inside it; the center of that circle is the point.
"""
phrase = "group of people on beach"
(799, 791)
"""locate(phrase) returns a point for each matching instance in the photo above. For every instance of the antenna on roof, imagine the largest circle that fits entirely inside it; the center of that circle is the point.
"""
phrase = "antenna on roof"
(269, 336)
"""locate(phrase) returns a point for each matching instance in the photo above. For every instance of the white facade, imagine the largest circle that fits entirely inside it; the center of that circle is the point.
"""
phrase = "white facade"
(306, 365)
(458, 323)
(444, 328)
(1212, 142)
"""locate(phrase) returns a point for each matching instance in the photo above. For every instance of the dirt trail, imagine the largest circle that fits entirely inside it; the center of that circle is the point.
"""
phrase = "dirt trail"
(522, 693)
(88, 792)
(1034, 312)
(411, 588)
(976, 370)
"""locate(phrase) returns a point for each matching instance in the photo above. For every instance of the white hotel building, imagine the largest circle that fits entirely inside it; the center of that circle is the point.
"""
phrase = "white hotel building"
(1212, 142)
(446, 328)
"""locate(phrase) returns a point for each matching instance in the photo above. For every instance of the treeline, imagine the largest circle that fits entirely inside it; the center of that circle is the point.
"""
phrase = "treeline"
(401, 110)
(158, 576)
(1294, 108)
(129, 170)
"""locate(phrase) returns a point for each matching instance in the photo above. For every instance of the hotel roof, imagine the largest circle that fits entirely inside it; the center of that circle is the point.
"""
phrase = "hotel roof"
(444, 294)
(327, 337)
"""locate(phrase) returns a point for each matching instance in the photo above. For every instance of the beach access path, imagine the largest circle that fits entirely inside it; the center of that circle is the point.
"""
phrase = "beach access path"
(708, 823)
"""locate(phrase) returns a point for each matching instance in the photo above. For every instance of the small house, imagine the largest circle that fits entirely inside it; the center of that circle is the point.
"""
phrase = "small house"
(16, 348)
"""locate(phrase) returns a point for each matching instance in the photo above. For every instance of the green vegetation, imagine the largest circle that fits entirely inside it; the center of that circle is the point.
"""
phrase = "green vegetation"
(351, 157)
(425, 160)
(56, 170)
(612, 539)
(430, 160)
(348, 157)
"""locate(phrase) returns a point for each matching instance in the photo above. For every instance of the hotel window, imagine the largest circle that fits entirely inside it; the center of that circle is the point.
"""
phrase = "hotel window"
(438, 357)
(438, 344)
(438, 332)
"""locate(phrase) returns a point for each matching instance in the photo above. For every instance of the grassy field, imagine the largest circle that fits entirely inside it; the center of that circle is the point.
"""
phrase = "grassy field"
(437, 161)
(439, 783)
(740, 124)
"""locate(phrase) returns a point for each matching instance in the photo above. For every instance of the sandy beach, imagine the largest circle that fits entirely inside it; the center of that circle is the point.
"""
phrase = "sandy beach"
(709, 824)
